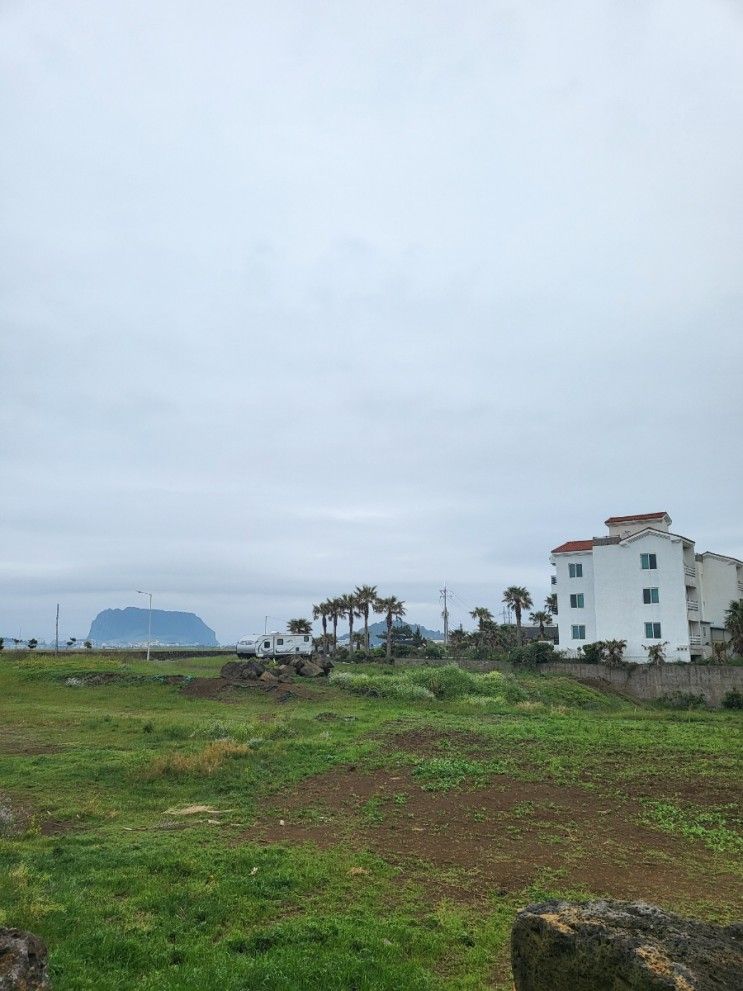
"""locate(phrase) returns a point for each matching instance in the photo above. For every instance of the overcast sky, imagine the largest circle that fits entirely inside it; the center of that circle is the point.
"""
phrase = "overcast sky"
(297, 296)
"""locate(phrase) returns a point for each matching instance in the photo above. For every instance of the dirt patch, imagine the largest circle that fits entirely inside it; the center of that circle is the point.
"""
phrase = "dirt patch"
(428, 742)
(226, 691)
(58, 827)
(23, 747)
(496, 839)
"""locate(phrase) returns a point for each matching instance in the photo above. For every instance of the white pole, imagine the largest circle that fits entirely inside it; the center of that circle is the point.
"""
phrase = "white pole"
(149, 621)
(149, 628)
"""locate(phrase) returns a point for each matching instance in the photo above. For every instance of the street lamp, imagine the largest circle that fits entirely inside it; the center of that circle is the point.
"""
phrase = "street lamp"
(149, 621)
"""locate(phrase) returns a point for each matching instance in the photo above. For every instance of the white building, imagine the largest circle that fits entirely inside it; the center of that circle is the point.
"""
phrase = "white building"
(643, 584)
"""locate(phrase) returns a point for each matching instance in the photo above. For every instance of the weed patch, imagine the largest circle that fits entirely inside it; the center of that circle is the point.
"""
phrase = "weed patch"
(203, 762)
(715, 829)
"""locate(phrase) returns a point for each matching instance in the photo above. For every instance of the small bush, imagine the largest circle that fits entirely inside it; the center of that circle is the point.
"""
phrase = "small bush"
(533, 654)
(591, 653)
(682, 700)
(448, 682)
(733, 699)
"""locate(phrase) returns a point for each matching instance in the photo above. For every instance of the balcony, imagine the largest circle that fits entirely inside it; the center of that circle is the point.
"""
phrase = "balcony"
(740, 588)
(690, 572)
(695, 641)
(554, 579)
(692, 605)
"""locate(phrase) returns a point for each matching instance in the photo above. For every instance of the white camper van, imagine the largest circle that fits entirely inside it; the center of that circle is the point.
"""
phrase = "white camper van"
(284, 645)
(248, 645)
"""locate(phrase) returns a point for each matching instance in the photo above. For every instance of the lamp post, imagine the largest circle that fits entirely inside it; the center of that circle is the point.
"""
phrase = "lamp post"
(149, 621)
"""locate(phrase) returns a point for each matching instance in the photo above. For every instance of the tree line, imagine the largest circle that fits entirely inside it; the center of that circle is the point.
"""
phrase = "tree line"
(361, 603)
(365, 601)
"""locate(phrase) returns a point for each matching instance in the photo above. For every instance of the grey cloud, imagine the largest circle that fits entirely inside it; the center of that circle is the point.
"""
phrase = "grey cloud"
(292, 299)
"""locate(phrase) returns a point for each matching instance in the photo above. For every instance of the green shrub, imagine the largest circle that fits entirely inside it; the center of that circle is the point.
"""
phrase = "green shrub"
(591, 653)
(682, 700)
(733, 699)
(532, 654)
(448, 682)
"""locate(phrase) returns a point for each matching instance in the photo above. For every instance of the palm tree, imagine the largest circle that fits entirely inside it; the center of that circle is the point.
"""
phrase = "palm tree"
(390, 608)
(541, 618)
(734, 625)
(335, 611)
(483, 617)
(519, 599)
(299, 626)
(348, 608)
(612, 652)
(550, 603)
(321, 612)
(366, 596)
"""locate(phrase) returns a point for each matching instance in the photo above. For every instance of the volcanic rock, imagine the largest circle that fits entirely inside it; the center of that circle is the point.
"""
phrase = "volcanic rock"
(620, 946)
(23, 961)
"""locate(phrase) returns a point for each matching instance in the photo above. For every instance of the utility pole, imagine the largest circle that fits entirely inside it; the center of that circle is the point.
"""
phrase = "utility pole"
(56, 632)
(445, 592)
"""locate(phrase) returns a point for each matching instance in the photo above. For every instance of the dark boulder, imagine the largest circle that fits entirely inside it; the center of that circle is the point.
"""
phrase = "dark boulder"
(619, 946)
(242, 672)
(310, 670)
(23, 961)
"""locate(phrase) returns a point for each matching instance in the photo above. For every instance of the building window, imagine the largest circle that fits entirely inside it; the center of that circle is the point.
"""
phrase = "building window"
(650, 595)
(652, 631)
(575, 570)
(576, 601)
(649, 562)
(579, 633)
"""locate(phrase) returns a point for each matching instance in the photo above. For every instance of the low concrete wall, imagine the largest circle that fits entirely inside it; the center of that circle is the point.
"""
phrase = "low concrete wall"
(643, 682)
(647, 682)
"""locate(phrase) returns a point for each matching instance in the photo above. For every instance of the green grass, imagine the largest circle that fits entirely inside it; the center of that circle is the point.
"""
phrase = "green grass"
(132, 893)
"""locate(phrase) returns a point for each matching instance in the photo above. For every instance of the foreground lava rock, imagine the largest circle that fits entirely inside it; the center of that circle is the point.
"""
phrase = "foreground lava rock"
(22, 961)
(257, 671)
(620, 946)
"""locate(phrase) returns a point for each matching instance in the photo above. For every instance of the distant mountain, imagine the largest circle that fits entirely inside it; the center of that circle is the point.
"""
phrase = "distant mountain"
(378, 631)
(124, 627)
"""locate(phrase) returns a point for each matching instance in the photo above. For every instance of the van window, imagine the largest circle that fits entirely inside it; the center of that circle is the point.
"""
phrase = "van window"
(280, 640)
(266, 643)
(306, 639)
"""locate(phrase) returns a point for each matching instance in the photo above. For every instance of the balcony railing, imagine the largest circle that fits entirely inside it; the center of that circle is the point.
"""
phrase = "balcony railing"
(740, 587)
(554, 579)
(695, 641)
(690, 572)
(692, 605)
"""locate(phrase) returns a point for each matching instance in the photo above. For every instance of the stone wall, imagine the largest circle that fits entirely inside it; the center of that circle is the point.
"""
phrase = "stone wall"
(646, 682)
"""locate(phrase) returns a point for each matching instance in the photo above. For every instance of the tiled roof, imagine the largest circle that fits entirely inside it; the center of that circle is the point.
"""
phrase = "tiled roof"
(573, 545)
(637, 517)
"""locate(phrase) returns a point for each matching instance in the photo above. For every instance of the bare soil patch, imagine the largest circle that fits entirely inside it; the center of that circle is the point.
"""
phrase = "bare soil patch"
(428, 742)
(21, 746)
(470, 844)
(226, 691)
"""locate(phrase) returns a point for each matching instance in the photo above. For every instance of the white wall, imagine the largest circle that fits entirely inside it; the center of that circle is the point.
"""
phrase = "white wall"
(619, 608)
(719, 587)
(567, 617)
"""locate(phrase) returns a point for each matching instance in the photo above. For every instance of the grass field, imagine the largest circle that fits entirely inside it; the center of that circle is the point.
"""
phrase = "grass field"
(367, 833)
